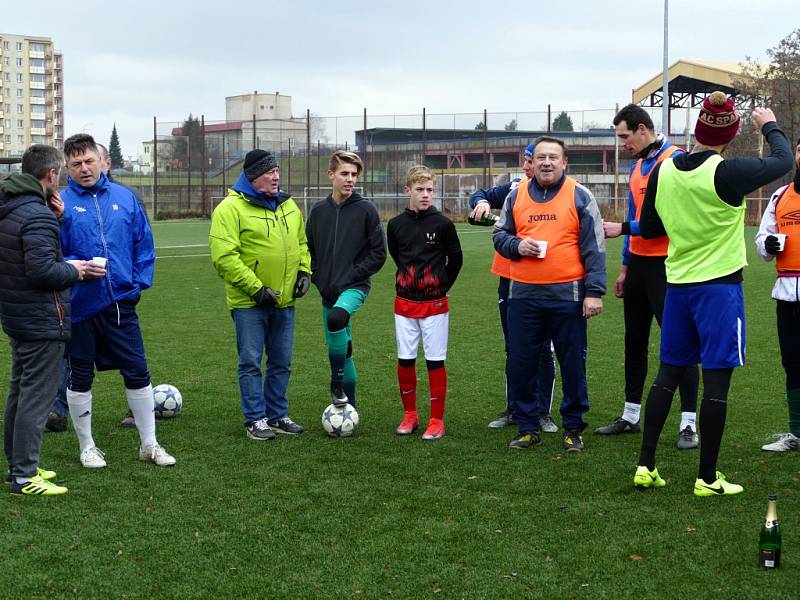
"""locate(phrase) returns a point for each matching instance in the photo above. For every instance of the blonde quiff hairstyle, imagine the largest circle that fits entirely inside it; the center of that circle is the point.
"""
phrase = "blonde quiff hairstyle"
(419, 173)
(343, 156)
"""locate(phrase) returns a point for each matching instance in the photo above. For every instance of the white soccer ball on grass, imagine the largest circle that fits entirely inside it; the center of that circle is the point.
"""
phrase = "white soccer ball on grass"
(167, 401)
(340, 421)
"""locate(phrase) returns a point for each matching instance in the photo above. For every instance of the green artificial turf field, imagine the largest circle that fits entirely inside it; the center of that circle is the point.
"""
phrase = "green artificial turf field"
(379, 516)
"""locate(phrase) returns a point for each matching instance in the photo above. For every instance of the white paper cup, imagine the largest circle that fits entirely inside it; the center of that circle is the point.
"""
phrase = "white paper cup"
(542, 248)
(781, 241)
(99, 260)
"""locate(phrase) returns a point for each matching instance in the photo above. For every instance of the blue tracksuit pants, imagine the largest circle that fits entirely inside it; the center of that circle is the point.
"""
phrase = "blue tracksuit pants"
(531, 324)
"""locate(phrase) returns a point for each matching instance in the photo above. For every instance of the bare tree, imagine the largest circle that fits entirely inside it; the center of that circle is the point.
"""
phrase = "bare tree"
(316, 126)
(779, 83)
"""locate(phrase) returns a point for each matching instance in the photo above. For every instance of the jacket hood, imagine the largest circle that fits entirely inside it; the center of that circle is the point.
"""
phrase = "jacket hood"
(253, 196)
(101, 183)
(22, 183)
(18, 189)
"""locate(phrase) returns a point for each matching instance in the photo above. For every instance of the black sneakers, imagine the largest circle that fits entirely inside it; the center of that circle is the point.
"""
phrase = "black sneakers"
(55, 423)
(338, 397)
(618, 426)
(523, 441)
(573, 442)
(128, 421)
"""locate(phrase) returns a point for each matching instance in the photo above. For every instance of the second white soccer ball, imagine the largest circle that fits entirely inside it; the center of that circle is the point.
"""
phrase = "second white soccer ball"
(167, 401)
(340, 421)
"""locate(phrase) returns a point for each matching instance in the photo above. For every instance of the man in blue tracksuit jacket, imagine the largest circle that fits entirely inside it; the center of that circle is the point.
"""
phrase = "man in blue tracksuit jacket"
(481, 202)
(104, 224)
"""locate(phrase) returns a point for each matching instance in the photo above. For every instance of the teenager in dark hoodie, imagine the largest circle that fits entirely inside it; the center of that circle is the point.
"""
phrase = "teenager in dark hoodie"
(348, 246)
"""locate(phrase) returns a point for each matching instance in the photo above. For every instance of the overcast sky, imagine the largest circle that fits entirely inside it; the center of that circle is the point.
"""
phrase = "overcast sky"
(126, 62)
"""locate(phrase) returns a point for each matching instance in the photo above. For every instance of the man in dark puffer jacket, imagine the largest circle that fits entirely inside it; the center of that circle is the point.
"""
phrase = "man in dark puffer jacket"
(34, 310)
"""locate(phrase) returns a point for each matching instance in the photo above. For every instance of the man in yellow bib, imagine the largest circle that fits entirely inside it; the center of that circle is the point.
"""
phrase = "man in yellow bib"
(697, 199)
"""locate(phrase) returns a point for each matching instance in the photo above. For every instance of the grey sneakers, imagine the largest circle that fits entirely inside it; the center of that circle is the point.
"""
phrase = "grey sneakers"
(285, 425)
(547, 424)
(687, 438)
(785, 442)
(504, 419)
(259, 430)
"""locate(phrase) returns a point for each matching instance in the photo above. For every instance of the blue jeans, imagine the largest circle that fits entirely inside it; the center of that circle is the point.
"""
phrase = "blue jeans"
(258, 330)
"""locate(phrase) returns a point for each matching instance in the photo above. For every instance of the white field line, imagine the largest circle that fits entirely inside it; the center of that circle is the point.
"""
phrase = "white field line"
(180, 246)
(182, 256)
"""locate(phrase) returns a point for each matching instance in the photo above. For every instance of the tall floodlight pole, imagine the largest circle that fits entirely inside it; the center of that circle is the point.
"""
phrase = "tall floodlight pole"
(665, 75)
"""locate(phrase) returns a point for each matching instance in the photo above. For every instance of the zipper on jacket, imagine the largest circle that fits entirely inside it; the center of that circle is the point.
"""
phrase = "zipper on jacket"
(285, 250)
(60, 313)
(119, 319)
(267, 224)
(105, 244)
(335, 239)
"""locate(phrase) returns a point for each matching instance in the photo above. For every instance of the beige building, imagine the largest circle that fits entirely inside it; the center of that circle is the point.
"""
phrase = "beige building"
(263, 106)
(275, 127)
(31, 93)
(227, 142)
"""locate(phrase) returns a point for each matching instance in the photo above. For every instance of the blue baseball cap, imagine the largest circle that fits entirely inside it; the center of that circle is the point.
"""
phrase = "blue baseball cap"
(528, 151)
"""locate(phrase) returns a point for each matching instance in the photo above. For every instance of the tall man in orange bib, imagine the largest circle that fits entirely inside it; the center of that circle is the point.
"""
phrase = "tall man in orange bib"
(642, 281)
(551, 231)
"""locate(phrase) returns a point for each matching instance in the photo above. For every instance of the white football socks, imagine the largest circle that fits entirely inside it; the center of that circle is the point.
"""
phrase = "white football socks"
(688, 419)
(80, 409)
(141, 404)
(631, 412)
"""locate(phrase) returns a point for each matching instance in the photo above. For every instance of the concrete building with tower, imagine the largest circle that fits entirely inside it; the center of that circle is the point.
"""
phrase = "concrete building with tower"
(31, 93)
(257, 120)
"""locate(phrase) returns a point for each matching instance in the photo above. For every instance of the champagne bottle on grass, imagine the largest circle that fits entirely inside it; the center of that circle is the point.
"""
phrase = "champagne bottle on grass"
(769, 542)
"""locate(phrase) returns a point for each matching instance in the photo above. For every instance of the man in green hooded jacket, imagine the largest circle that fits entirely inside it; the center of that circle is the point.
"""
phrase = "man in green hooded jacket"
(258, 246)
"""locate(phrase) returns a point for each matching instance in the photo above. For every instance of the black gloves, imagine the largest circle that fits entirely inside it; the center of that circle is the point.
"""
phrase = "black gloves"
(302, 285)
(772, 245)
(265, 297)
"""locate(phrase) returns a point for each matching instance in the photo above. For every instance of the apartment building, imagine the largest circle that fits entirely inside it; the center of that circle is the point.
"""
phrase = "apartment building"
(31, 93)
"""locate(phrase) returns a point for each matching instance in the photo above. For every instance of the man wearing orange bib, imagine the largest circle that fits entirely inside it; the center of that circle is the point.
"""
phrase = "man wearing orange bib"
(782, 218)
(642, 281)
(551, 231)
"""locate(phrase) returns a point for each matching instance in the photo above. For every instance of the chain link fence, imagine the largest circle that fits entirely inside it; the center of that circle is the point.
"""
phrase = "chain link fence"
(187, 167)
